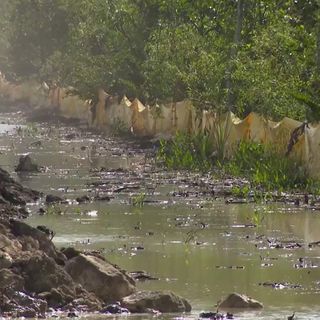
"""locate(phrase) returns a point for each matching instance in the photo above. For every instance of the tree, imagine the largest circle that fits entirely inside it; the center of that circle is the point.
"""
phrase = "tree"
(38, 29)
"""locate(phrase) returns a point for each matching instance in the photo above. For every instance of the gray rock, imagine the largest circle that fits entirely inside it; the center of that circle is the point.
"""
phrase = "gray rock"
(163, 301)
(42, 273)
(12, 192)
(5, 260)
(51, 198)
(239, 301)
(8, 279)
(26, 165)
(28, 303)
(32, 238)
(96, 275)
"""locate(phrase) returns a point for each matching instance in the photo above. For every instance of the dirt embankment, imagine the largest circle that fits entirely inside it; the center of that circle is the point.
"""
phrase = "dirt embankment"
(37, 279)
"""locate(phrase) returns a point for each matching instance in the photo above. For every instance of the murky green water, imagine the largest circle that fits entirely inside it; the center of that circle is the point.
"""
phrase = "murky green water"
(199, 248)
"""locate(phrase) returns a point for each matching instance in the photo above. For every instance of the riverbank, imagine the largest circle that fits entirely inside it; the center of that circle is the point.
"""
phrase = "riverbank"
(38, 280)
(115, 201)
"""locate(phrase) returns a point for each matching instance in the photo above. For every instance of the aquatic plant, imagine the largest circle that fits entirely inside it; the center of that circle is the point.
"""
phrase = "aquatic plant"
(54, 209)
(187, 151)
(138, 200)
(118, 127)
(266, 168)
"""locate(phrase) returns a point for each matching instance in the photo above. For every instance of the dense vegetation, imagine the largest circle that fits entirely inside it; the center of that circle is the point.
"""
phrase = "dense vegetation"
(264, 167)
(253, 55)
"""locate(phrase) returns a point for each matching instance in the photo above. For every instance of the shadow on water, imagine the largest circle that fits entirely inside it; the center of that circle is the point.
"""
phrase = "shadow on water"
(198, 247)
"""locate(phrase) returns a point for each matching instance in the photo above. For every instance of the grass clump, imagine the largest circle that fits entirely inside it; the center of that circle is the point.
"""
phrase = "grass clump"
(186, 151)
(138, 200)
(266, 168)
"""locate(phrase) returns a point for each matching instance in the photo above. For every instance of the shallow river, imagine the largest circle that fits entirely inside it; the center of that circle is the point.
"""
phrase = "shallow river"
(198, 247)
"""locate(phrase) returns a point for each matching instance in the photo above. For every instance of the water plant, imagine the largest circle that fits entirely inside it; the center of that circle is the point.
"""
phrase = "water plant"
(138, 200)
(54, 210)
(118, 127)
(266, 168)
(187, 151)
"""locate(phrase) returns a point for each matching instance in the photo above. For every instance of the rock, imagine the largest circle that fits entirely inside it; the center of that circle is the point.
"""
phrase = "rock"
(9, 279)
(72, 314)
(26, 313)
(10, 246)
(114, 309)
(239, 301)
(42, 273)
(164, 302)
(56, 298)
(141, 276)
(88, 299)
(49, 233)
(28, 235)
(5, 260)
(30, 304)
(83, 199)
(26, 165)
(104, 279)
(50, 198)
(14, 193)
(70, 252)
(215, 315)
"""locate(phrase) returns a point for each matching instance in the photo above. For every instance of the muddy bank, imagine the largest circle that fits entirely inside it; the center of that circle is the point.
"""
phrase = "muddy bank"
(37, 279)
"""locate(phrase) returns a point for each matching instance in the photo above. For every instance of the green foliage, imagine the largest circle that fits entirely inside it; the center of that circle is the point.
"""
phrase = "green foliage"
(312, 104)
(185, 151)
(138, 200)
(240, 192)
(119, 128)
(208, 51)
(54, 210)
(266, 169)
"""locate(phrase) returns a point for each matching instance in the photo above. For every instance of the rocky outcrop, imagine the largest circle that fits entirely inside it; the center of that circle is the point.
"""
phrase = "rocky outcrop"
(96, 275)
(162, 301)
(13, 193)
(32, 274)
(239, 301)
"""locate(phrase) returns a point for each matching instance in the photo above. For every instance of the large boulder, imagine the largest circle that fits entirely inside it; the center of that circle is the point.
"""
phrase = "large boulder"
(163, 301)
(239, 301)
(96, 275)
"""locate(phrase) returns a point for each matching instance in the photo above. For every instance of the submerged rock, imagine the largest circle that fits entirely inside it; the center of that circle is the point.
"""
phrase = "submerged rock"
(215, 315)
(114, 309)
(163, 301)
(26, 165)
(50, 198)
(239, 301)
(142, 276)
(96, 275)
